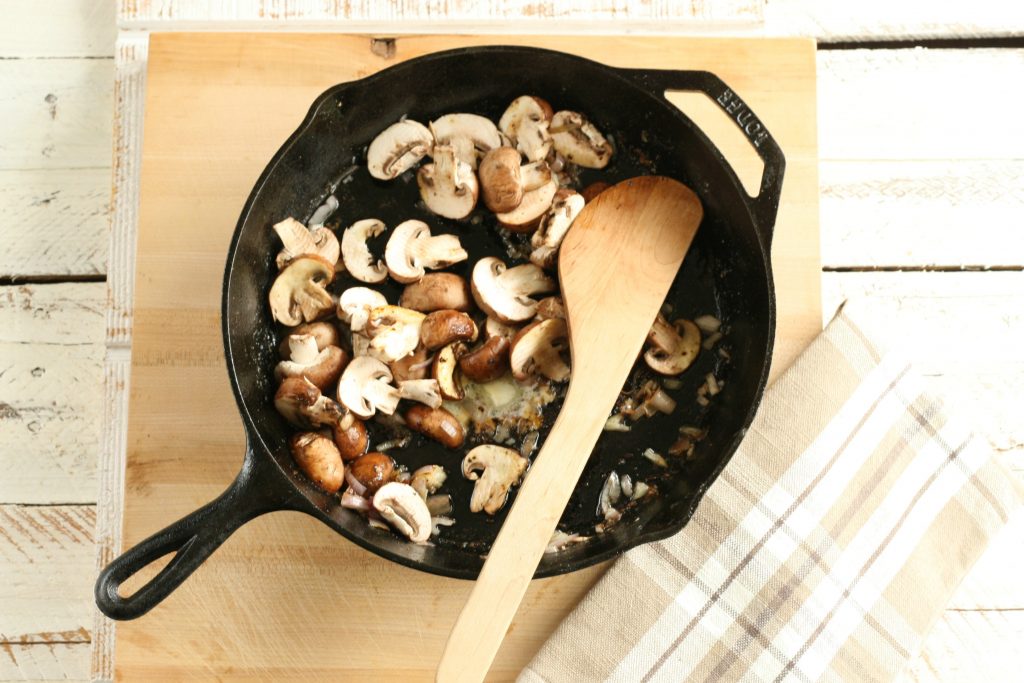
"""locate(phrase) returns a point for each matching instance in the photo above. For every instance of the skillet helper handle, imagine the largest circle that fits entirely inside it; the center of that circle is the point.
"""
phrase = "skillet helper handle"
(192, 539)
(765, 206)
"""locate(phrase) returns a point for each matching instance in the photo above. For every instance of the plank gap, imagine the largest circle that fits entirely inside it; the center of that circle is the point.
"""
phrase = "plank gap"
(13, 58)
(8, 280)
(1007, 42)
(968, 268)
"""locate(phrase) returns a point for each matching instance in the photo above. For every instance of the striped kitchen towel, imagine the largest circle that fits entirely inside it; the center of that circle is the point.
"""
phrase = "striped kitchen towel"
(824, 551)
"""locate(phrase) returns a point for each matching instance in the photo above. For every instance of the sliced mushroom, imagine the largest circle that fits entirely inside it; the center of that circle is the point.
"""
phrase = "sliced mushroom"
(470, 135)
(298, 240)
(445, 363)
(318, 458)
(302, 404)
(397, 149)
(535, 204)
(372, 471)
(437, 424)
(504, 293)
(322, 368)
(496, 328)
(448, 186)
(404, 510)
(553, 227)
(365, 388)
(350, 437)
(356, 253)
(487, 362)
(411, 249)
(428, 479)
(502, 468)
(414, 366)
(394, 331)
(526, 123)
(324, 333)
(501, 182)
(437, 291)
(538, 350)
(579, 141)
(298, 295)
(672, 349)
(425, 391)
(441, 328)
(355, 304)
(550, 307)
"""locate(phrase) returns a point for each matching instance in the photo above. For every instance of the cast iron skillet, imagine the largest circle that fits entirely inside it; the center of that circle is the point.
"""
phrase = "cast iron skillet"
(727, 273)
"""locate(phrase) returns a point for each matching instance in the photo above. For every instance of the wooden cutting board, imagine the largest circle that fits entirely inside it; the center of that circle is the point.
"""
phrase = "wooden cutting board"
(286, 598)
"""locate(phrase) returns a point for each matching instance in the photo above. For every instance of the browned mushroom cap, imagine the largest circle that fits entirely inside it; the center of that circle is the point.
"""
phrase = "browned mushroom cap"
(579, 141)
(298, 295)
(372, 470)
(414, 366)
(487, 362)
(437, 291)
(441, 328)
(550, 307)
(538, 349)
(437, 424)
(445, 363)
(350, 437)
(671, 352)
(501, 183)
(300, 402)
(324, 333)
(318, 458)
(322, 368)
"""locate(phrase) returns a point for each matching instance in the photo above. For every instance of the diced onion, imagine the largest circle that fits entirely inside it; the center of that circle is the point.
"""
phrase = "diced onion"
(710, 342)
(707, 323)
(440, 504)
(655, 457)
(639, 490)
(616, 423)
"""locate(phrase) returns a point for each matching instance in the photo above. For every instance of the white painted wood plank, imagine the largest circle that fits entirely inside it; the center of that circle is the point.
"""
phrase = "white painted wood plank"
(46, 558)
(50, 392)
(41, 663)
(56, 113)
(994, 582)
(839, 20)
(963, 330)
(922, 213)
(67, 28)
(505, 16)
(54, 222)
(942, 105)
(967, 647)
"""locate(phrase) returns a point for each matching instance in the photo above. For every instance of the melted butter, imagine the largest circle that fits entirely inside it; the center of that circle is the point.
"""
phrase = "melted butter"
(503, 410)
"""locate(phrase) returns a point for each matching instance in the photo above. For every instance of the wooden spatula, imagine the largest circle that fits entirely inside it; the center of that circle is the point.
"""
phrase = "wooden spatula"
(616, 266)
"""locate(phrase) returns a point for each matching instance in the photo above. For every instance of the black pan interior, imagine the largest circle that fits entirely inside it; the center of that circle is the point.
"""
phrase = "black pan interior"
(726, 274)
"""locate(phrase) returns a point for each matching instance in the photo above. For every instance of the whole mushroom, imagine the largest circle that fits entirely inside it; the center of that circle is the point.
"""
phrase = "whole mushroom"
(441, 328)
(437, 424)
(504, 293)
(350, 437)
(538, 350)
(372, 470)
(397, 149)
(404, 509)
(487, 362)
(298, 240)
(672, 350)
(356, 253)
(318, 458)
(321, 367)
(412, 250)
(501, 469)
(501, 182)
(299, 292)
(448, 186)
(437, 291)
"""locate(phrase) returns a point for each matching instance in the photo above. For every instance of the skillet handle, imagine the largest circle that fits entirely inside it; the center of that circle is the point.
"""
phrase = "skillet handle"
(192, 539)
(765, 206)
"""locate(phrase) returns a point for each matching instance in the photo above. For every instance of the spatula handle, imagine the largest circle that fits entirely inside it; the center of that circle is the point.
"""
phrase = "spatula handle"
(519, 547)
